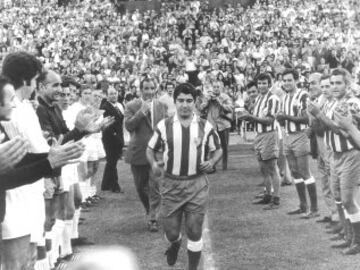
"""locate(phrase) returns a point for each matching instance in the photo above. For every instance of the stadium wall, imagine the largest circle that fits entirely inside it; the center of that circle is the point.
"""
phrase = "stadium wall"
(156, 4)
(220, 3)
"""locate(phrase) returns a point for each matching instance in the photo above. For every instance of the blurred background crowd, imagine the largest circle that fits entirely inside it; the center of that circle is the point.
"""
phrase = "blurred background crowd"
(185, 41)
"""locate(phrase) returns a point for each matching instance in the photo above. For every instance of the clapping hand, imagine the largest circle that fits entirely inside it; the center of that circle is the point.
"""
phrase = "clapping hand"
(84, 119)
(11, 152)
(94, 127)
(313, 108)
(60, 155)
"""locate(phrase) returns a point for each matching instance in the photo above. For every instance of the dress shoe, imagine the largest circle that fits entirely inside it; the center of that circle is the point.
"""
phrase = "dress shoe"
(265, 200)
(324, 220)
(117, 190)
(260, 195)
(272, 206)
(310, 215)
(298, 211)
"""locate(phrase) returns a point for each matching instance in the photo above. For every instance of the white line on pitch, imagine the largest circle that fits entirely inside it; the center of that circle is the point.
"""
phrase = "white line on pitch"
(208, 259)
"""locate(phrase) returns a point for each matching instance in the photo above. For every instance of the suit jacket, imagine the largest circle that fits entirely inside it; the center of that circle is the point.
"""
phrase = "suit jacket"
(141, 129)
(114, 133)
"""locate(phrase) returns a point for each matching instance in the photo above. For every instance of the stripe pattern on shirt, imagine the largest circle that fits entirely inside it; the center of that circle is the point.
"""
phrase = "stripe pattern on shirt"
(267, 105)
(337, 142)
(294, 105)
(185, 148)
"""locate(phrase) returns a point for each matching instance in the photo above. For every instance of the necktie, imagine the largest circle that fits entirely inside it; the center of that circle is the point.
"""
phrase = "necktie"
(117, 109)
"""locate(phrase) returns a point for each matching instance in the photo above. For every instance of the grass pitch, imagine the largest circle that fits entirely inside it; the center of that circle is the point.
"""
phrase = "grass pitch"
(243, 236)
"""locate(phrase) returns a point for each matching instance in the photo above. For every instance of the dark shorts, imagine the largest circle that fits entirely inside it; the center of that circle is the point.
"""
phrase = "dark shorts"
(345, 172)
(296, 144)
(184, 195)
(266, 145)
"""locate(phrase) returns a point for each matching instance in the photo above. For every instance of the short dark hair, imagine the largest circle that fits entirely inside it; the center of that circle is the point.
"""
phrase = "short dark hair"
(291, 71)
(251, 84)
(263, 77)
(3, 82)
(184, 88)
(344, 73)
(146, 80)
(85, 87)
(20, 67)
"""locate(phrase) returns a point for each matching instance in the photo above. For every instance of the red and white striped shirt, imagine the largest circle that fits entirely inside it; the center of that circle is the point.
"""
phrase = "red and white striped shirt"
(293, 106)
(185, 148)
(265, 106)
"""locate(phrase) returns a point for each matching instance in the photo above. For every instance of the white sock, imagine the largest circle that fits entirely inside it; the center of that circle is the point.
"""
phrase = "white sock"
(85, 188)
(93, 190)
(42, 264)
(66, 238)
(58, 230)
(75, 228)
(49, 259)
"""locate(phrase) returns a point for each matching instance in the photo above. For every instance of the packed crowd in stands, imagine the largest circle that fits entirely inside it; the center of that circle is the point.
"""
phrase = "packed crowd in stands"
(93, 44)
(86, 58)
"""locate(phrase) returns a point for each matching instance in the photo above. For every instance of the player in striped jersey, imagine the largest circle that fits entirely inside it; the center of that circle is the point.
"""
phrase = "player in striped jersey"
(346, 156)
(296, 142)
(187, 142)
(319, 89)
(266, 145)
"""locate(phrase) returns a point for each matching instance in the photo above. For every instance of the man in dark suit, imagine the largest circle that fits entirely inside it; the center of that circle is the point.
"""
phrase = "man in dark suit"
(141, 116)
(113, 140)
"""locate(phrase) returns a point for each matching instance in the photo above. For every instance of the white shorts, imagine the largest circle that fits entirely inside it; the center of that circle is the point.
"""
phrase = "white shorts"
(38, 219)
(94, 147)
(69, 176)
(17, 216)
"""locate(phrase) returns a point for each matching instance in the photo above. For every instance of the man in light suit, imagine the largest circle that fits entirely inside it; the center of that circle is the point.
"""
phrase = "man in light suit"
(141, 116)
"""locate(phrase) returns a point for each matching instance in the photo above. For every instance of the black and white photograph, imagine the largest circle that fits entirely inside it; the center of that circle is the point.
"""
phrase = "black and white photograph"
(179, 134)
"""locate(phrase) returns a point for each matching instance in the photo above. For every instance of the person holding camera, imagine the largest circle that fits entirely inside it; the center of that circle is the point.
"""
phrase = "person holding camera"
(217, 107)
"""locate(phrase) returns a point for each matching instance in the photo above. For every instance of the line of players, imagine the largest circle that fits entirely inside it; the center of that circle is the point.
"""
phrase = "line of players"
(43, 216)
(322, 121)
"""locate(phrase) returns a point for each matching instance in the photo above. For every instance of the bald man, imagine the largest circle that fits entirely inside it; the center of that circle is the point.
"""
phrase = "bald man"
(56, 198)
